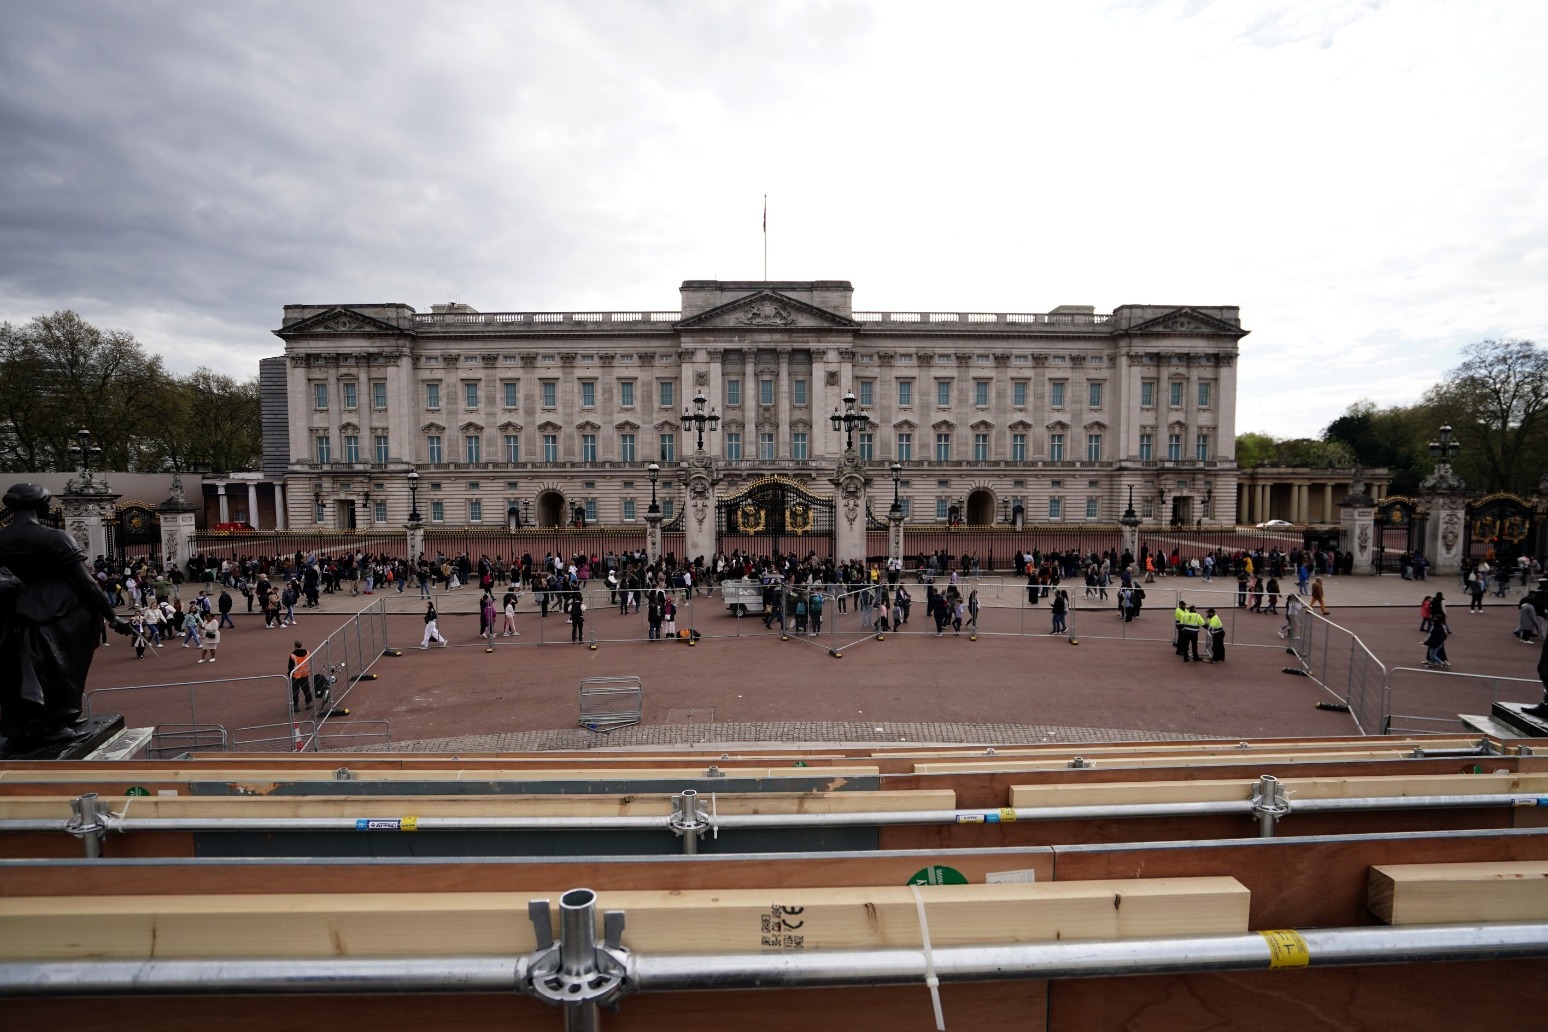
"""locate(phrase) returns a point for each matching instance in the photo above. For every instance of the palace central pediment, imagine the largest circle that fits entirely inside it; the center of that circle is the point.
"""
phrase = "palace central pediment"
(343, 321)
(1186, 321)
(767, 310)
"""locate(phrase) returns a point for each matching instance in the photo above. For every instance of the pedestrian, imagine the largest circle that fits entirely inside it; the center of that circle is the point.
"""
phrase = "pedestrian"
(883, 617)
(1319, 599)
(140, 635)
(192, 625)
(224, 606)
(1475, 590)
(972, 608)
(1424, 613)
(487, 615)
(902, 604)
(577, 618)
(210, 638)
(655, 614)
(814, 610)
(509, 630)
(1273, 595)
(432, 628)
(299, 669)
(1060, 607)
(1435, 644)
(958, 611)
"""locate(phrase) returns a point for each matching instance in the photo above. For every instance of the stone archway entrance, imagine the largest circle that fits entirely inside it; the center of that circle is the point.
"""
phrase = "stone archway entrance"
(551, 511)
(980, 508)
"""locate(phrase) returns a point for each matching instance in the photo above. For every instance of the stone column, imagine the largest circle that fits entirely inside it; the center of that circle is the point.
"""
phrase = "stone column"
(895, 534)
(88, 507)
(782, 406)
(225, 504)
(416, 540)
(1327, 503)
(1359, 522)
(1130, 522)
(177, 526)
(653, 534)
(252, 504)
(852, 491)
(1445, 495)
(699, 522)
(280, 521)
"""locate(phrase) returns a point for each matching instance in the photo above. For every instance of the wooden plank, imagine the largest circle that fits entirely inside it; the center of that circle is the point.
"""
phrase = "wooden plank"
(259, 777)
(1214, 747)
(1120, 793)
(1055, 762)
(185, 876)
(1403, 894)
(479, 923)
(635, 805)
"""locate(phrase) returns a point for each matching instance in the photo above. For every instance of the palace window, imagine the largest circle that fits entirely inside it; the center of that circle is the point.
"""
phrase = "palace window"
(765, 392)
(1176, 393)
(798, 446)
(349, 387)
(475, 511)
(668, 391)
(432, 395)
(380, 440)
(1056, 447)
(905, 393)
(351, 447)
(380, 513)
(1055, 508)
(734, 446)
(1019, 394)
(733, 393)
(942, 508)
(943, 447)
(1093, 447)
(1201, 447)
(588, 394)
(1094, 395)
(1018, 447)
(1056, 394)
(591, 510)
(550, 394)
(512, 448)
(628, 510)
(471, 445)
(550, 447)
(668, 447)
(798, 392)
(867, 393)
(1091, 508)
(1147, 394)
(379, 394)
(668, 509)
(625, 447)
(509, 389)
(470, 395)
(1147, 447)
(1203, 395)
(867, 447)
(433, 449)
(981, 393)
(437, 511)
(1173, 447)
(324, 448)
(766, 447)
(943, 393)
(319, 512)
(905, 447)
(319, 395)
(588, 447)
(980, 447)
(626, 393)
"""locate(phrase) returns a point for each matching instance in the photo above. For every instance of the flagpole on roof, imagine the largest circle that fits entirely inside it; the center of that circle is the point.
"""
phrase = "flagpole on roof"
(765, 238)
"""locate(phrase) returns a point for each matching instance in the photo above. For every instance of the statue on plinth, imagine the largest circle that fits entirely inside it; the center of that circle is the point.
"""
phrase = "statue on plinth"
(51, 613)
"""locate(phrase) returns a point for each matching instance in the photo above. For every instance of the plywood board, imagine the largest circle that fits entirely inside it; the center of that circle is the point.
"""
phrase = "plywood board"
(463, 924)
(1126, 792)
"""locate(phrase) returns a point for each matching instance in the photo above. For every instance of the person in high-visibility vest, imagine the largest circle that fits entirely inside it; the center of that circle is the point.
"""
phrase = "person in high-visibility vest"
(1216, 627)
(300, 677)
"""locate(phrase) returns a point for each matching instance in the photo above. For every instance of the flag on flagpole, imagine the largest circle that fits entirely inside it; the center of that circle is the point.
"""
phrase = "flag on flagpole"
(765, 213)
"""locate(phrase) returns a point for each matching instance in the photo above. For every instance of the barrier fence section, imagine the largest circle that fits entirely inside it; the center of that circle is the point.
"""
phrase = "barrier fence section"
(1337, 660)
(1432, 701)
(337, 664)
(191, 715)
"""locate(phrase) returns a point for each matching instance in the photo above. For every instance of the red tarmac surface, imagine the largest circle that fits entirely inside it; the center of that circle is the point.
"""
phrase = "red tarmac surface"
(1004, 677)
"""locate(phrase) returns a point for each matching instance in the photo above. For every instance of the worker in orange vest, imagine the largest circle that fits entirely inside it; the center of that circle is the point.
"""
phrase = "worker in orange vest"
(300, 677)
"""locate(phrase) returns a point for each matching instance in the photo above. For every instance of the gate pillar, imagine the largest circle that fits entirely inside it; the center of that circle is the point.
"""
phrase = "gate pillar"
(653, 535)
(853, 495)
(87, 514)
(1445, 496)
(177, 526)
(699, 527)
(1358, 516)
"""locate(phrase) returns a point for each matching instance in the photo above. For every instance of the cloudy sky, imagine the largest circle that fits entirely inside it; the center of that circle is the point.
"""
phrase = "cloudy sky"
(1367, 180)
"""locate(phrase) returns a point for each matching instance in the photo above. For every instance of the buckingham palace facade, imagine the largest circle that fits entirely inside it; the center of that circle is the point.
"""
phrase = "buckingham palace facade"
(536, 415)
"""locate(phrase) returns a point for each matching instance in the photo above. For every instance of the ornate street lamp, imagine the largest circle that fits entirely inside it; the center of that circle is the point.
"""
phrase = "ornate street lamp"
(1129, 513)
(655, 472)
(86, 454)
(413, 479)
(698, 419)
(897, 480)
(1444, 449)
(850, 420)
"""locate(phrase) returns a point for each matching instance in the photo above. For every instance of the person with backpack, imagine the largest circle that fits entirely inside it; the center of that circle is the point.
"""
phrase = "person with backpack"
(577, 618)
(432, 628)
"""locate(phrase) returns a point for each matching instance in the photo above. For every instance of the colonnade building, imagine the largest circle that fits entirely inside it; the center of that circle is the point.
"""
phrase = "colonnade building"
(1059, 413)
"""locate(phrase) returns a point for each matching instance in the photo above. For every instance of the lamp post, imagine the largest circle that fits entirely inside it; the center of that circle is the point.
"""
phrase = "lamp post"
(653, 517)
(655, 472)
(698, 419)
(413, 481)
(1130, 522)
(897, 481)
(850, 420)
(1444, 449)
(86, 455)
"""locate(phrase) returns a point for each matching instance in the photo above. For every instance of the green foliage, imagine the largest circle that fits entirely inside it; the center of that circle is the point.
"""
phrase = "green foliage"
(1263, 450)
(59, 374)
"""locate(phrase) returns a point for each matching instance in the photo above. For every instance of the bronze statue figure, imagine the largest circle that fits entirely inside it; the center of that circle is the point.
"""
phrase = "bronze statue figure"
(51, 613)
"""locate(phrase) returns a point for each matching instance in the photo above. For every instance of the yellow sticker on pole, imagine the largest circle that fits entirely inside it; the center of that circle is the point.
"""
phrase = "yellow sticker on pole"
(1286, 949)
(1007, 814)
(410, 824)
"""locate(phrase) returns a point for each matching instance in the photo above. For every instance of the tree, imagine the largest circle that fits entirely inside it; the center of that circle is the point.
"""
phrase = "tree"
(1497, 403)
(1392, 438)
(1263, 450)
(59, 374)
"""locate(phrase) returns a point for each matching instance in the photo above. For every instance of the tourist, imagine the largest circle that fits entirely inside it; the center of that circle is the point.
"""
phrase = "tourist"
(210, 638)
(432, 628)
